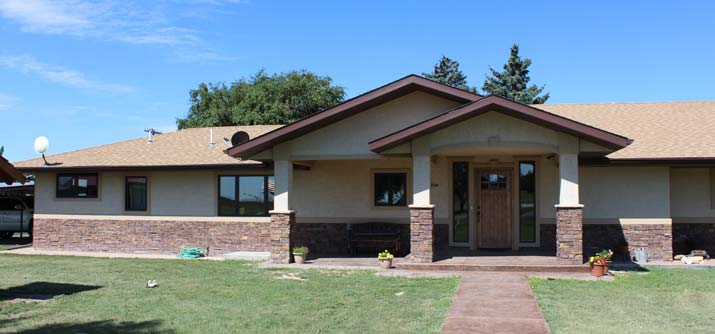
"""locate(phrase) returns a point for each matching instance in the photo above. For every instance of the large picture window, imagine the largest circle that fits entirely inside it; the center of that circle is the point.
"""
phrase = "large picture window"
(460, 201)
(76, 186)
(135, 193)
(245, 195)
(527, 201)
(390, 189)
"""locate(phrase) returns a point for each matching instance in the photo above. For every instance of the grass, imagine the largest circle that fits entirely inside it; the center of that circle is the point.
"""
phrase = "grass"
(660, 301)
(109, 296)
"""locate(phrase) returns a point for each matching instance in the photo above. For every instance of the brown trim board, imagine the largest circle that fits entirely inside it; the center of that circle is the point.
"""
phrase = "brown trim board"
(395, 89)
(9, 173)
(505, 106)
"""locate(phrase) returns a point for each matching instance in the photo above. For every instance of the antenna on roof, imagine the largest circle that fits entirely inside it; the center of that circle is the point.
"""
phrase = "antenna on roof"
(151, 133)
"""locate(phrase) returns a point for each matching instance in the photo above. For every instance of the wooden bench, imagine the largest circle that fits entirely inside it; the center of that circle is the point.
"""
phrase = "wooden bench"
(376, 236)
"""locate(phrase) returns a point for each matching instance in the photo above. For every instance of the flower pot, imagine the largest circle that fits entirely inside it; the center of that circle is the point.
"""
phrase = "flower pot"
(385, 263)
(299, 258)
(597, 270)
(605, 267)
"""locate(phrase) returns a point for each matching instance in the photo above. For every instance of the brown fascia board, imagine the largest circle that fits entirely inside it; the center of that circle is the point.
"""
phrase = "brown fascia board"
(62, 169)
(505, 106)
(395, 89)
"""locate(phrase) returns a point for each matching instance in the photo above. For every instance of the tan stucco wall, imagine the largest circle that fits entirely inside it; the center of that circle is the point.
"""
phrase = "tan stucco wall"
(625, 192)
(341, 191)
(171, 193)
(350, 136)
(184, 193)
(110, 200)
(691, 194)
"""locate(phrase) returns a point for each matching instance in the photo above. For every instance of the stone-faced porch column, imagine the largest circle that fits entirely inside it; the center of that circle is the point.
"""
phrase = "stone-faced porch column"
(569, 212)
(282, 216)
(421, 210)
(281, 225)
(421, 233)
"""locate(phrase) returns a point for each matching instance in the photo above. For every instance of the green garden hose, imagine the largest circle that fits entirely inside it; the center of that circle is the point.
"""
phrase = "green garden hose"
(190, 253)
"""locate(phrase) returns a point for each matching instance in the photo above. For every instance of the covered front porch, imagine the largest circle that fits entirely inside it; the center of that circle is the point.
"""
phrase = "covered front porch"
(520, 208)
(492, 174)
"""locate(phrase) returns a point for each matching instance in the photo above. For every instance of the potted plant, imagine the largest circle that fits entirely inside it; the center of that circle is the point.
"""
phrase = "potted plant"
(599, 263)
(385, 259)
(622, 247)
(299, 254)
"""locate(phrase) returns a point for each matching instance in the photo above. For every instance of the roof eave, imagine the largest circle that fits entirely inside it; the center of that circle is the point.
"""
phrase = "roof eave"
(100, 168)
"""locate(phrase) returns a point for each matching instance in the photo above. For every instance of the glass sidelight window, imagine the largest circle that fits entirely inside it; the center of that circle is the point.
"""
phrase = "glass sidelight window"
(527, 201)
(460, 201)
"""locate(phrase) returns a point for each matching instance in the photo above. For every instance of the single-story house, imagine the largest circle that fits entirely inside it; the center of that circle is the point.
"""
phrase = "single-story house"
(450, 168)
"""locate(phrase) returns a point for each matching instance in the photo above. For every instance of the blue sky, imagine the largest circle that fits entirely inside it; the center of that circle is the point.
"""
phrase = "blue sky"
(88, 73)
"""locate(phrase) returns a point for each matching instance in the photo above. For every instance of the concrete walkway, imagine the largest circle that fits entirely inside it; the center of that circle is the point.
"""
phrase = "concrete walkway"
(488, 302)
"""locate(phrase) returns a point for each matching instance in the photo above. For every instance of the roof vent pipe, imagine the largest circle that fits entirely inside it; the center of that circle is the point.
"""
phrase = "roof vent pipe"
(211, 137)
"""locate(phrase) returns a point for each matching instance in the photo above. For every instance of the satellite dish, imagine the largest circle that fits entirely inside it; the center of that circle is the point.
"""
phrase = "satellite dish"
(41, 145)
(239, 137)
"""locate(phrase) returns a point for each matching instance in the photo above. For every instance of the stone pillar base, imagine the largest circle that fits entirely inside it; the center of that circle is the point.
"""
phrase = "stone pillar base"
(421, 234)
(281, 225)
(569, 234)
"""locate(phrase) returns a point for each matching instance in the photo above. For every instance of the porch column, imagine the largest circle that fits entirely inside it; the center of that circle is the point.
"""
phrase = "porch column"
(421, 211)
(282, 215)
(569, 212)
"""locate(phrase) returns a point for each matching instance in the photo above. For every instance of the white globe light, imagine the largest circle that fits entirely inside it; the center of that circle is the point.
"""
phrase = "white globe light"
(41, 144)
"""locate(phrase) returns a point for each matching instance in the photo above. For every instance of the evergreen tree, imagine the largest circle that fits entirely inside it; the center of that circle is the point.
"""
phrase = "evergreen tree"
(513, 82)
(447, 72)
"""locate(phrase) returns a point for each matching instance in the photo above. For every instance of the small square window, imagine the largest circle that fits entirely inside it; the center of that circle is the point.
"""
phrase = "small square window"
(390, 189)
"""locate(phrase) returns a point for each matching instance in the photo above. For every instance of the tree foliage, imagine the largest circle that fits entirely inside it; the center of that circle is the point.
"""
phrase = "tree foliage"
(447, 72)
(512, 83)
(261, 99)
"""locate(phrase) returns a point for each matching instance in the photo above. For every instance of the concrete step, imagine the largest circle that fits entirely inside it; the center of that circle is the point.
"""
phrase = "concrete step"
(583, 268)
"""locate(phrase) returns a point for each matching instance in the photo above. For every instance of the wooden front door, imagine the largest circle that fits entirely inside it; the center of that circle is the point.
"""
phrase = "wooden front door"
(494, 224)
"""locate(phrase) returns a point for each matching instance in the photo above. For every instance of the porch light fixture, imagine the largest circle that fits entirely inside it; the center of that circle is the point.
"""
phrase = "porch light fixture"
(41, 146)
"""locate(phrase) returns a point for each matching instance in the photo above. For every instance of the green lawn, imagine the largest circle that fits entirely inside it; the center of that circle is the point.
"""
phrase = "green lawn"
(661, 301)
(109, 296)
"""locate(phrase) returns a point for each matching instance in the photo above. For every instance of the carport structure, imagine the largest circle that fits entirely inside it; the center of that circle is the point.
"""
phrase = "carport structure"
(8, 173)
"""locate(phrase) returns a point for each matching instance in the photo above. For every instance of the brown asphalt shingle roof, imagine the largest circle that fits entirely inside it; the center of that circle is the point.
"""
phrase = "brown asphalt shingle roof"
(660, 130)
(179, 148)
